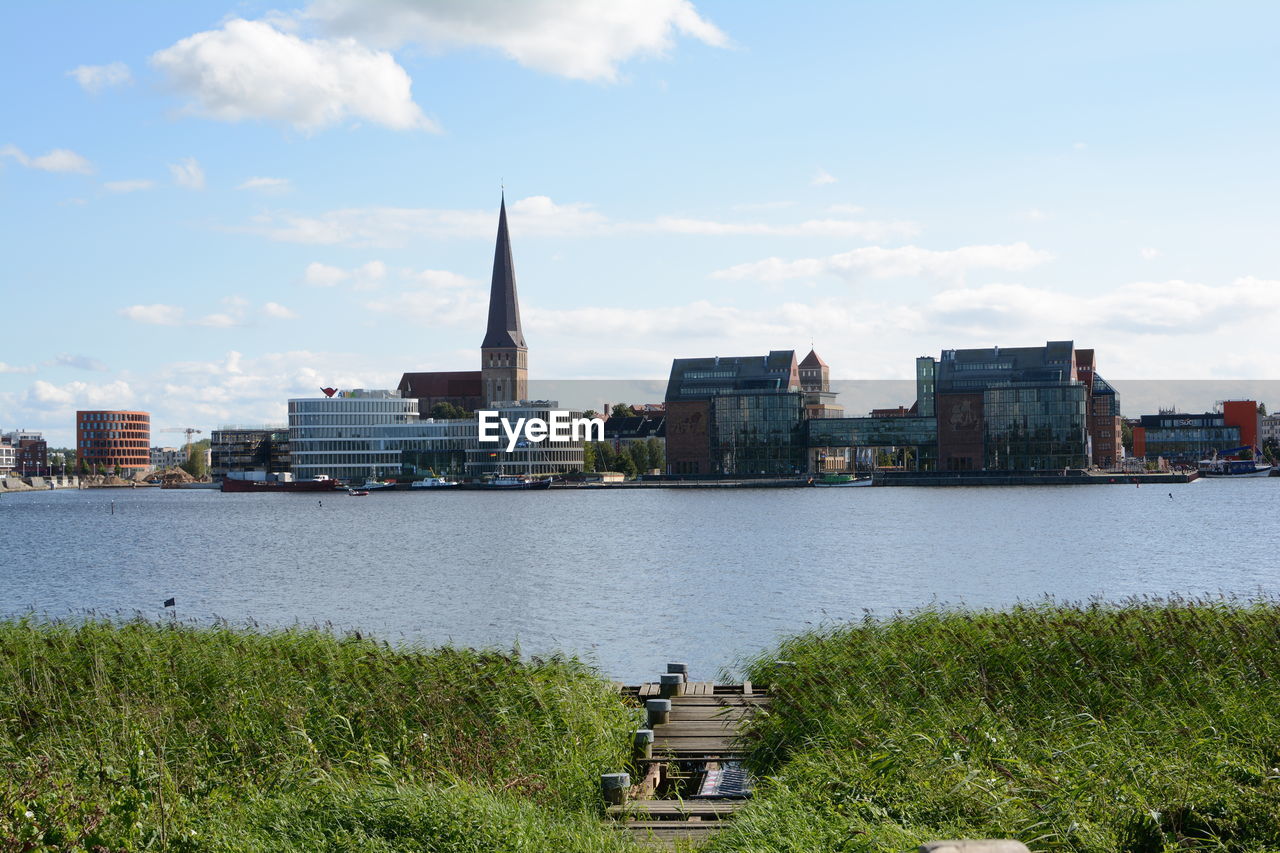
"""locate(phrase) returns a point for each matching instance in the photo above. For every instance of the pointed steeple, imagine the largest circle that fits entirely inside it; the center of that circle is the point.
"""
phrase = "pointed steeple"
(504, 306)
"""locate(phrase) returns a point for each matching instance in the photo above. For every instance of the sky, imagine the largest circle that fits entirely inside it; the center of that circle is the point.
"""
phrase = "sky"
(210, 207)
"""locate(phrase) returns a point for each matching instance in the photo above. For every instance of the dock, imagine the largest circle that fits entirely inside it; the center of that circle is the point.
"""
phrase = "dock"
(687, 762)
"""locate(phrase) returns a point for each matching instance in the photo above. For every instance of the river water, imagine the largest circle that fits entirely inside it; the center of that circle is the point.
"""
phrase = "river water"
(627, 580)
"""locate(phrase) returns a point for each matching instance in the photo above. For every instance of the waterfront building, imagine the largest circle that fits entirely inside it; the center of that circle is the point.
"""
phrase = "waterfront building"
(845, 445)
(504, 356)
(1185, 439)
(739, 416)
(245, 449)
(345, 436)
(110, 439)
(1021, 408)
(8, 455)
(31, 452)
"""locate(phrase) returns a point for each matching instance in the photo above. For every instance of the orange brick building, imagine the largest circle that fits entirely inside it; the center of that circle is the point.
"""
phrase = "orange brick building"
(106, 440)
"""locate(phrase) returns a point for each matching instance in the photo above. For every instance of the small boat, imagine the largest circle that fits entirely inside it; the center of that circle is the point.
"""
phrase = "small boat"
(358, 493)
(841, 480)
(376, 486)
(1222, 466)
(434, 483)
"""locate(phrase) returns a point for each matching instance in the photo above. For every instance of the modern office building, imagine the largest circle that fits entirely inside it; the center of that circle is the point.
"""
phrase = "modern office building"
(1021, 408)
(504, 356)
(108, 439)
(739, 416)
(245, 449)
(1185, 439)
(346, 436)
(8, 454)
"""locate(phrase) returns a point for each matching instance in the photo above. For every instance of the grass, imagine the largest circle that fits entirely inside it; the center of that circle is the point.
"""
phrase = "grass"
(140, 736)
(1152, 726)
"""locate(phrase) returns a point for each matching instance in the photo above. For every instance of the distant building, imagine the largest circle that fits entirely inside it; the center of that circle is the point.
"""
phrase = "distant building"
(167, 457)
(8, 454)
(1185, 439)
(110, 439)
(1269, 429)
(737, 416)
(242, 449)
(31, 452)
(621, 432)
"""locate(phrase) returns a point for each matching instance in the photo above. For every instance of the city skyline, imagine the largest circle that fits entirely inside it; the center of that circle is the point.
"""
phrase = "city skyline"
(201, 226)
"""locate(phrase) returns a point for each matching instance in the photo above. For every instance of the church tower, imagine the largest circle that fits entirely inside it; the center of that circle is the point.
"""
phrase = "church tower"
(504, 370)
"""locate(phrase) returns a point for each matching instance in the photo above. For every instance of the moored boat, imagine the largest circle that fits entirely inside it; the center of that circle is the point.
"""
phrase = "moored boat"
(434, 483)
(1223, 466)
(841, 480)
(319, 484)
(511, 482)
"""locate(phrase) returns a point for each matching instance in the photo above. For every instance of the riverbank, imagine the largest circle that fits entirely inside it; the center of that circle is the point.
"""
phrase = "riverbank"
(1147, 727)
(170, 737)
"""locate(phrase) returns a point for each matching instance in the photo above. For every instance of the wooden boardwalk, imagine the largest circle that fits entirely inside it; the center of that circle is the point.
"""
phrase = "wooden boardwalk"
(690, 780)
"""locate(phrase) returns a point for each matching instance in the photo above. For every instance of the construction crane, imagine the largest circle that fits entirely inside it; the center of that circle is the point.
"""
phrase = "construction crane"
(188, 431)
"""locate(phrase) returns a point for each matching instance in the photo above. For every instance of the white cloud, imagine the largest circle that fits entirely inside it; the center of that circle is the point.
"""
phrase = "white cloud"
(440, 278)
(128, 186)
(878, 262)
(367, 276)
(1175, 307)
(1033, 214)
(864, 230)
(1149, 253)
(323, 275)
(187, 173)
(277, 311)
(57, 160)
(266, 185)
(251, 70)
(79, 362)
(15, 368)
(44, 395)
(822, 178)
(154, 315)
(95, 78)
(391, 227)
(436, 298)
(579, 39)
(220, 320)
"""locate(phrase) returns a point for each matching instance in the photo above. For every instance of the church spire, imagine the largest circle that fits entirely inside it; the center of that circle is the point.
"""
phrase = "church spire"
(504, 306)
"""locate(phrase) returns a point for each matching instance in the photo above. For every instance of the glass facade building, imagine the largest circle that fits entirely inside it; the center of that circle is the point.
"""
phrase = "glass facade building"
(1035, 428)
(758, 434)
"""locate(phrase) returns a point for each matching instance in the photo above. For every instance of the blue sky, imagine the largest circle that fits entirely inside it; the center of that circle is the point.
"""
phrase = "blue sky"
(211, 207)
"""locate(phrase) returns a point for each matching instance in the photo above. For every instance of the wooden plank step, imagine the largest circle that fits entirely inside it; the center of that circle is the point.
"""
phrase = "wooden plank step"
(685, 713)
(695, 699)
(672, 828)
(709, 808)
(694, 728)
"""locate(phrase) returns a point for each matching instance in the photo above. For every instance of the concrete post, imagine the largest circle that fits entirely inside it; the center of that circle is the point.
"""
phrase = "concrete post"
(682, 668)
(642, 743)
(658, 712)
(614, 787)
(671, 684)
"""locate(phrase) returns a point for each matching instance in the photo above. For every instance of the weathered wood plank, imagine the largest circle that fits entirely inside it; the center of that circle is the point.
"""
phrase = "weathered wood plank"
(636, 810)
(697, 728)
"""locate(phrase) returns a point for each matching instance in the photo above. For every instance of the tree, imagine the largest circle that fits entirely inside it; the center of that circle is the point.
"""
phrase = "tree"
(622, 410)
(195, 464)
(1262, 409)
(590, 413)
(657, 454)
(638, 452)
(445, 411)
(589, 456)
(624, 464)
(604, 456)
(1126, 436)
